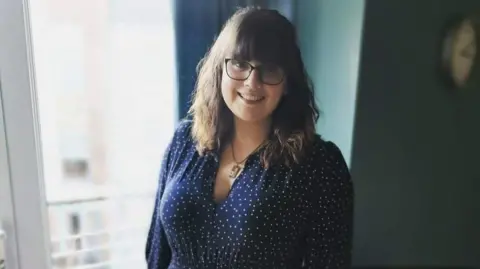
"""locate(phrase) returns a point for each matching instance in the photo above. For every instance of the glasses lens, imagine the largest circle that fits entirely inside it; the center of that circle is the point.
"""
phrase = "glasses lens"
(269, 73)
(238, 69)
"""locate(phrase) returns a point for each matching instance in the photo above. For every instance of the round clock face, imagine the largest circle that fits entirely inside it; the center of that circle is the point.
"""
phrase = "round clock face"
(463, 52)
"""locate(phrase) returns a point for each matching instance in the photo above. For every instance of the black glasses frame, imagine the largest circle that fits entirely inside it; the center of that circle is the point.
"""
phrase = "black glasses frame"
(250, 72)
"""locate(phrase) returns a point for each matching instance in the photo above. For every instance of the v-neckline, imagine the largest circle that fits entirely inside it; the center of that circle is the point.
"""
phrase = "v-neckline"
(241, 174)
(230, 191)
(213, 183)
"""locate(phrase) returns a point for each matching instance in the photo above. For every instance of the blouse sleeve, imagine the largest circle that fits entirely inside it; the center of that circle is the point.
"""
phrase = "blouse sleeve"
(158, 253)
(329, 240)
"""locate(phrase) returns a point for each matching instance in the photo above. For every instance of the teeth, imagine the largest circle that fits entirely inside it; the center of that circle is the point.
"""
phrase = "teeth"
(251, 97)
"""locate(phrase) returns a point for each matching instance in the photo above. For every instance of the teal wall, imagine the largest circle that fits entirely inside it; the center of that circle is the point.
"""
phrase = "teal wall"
(413, 142)
(330, 36)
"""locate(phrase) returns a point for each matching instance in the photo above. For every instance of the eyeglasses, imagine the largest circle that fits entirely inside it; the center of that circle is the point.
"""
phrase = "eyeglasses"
(269, 74)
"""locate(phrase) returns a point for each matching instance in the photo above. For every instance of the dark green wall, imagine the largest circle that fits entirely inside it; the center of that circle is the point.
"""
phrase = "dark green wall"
(415, 156)
(416, 145)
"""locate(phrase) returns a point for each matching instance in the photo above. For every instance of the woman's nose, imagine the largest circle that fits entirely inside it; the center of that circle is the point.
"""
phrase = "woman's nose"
(254, 81)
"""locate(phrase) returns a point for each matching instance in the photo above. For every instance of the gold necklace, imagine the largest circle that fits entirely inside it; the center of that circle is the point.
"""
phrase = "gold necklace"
(236, 168)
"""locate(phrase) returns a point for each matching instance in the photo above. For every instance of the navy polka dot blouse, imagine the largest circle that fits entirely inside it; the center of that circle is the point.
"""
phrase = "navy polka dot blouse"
(280, 217)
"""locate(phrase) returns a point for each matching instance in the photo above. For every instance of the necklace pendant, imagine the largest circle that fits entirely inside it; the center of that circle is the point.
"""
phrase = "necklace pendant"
(235, 170)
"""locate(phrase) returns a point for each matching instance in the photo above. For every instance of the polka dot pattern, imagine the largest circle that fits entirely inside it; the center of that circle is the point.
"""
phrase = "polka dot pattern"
(280, 217)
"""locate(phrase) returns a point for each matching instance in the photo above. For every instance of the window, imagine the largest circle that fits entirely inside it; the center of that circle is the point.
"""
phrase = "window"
(75, 168)
(75, 230)
(106, 102)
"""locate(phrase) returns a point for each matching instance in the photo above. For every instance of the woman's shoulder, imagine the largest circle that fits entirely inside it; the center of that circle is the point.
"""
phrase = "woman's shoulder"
(181, 140)
(325, 157)
(326, 149)
(183, 130)
(326, 170)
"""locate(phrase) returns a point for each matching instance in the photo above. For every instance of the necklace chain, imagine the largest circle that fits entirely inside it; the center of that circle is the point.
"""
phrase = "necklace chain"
(236, 168)
(233, 153)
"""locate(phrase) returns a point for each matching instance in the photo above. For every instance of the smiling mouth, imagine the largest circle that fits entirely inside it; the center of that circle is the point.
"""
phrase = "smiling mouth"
(251, 98)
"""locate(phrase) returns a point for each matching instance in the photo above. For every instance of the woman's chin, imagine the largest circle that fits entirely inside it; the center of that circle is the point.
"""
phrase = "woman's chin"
(251, 117)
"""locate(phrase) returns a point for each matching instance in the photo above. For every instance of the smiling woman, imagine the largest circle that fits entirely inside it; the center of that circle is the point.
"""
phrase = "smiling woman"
(250, 38)
(247, 183)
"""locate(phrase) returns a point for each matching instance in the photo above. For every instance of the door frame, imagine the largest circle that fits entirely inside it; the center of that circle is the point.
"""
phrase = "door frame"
(24, 215)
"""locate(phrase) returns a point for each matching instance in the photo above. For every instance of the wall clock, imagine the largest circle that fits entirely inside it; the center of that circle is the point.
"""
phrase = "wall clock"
(461, 53)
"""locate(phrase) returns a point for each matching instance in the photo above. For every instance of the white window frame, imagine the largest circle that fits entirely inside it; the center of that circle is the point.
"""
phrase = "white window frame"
(23, 211)
(7, 217)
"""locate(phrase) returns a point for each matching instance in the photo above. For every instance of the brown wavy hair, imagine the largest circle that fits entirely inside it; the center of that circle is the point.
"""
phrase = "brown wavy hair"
(266, 36)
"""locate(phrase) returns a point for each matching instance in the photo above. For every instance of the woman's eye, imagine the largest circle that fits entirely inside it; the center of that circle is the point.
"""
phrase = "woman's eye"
(240, 65)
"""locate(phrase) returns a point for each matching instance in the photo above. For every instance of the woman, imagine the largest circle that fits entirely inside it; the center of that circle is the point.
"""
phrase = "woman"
(247, 183)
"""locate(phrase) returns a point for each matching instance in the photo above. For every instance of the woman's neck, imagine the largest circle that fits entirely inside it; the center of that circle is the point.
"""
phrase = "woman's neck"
(249, 135)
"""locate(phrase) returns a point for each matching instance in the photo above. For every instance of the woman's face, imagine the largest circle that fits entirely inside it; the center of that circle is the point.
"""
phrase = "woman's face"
(252, 90)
